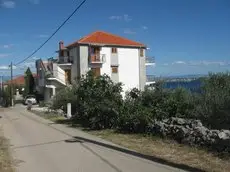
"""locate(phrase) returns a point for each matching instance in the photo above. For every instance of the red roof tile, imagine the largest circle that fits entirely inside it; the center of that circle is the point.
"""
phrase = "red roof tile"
(100, 37)
(20, 80)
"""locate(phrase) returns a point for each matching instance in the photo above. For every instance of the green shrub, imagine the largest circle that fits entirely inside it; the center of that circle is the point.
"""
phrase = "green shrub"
(155, 100)
(180, 103)
(141, 108)
(213, 106)
(96, 101)
(64, 96)
(133, 116)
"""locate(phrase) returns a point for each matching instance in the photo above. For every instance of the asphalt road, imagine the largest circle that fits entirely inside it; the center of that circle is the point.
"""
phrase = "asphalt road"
(40, 146)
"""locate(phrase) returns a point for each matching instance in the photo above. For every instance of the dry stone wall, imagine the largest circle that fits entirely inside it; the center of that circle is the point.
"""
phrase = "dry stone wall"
(192, 132)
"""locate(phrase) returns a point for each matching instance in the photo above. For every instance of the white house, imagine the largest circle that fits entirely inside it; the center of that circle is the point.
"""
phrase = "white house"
(104, 53)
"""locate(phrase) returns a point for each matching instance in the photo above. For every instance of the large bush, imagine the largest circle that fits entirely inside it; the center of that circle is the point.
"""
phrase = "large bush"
(96, 101)
(134, 116)
(140, 109)
(99, 101)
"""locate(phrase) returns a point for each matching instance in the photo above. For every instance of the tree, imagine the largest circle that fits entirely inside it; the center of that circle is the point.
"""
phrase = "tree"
(29, 82)
(96, 101)
(5, 102)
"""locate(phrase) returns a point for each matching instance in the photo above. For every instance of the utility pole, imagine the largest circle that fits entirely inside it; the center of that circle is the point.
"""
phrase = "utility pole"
(11, 81)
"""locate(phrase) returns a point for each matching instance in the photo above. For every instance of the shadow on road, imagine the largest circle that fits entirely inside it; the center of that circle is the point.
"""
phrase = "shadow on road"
(38, 144)
(78, 139)
(133, 153)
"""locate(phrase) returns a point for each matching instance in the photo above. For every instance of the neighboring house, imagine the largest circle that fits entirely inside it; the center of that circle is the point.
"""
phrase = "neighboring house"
(50, 78)
(19, 82)
(103, 53)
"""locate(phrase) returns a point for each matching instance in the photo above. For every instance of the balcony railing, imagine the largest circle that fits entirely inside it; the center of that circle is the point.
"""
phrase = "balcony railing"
(150, 60)
(65, 59)
(56, 74)
(97, 58)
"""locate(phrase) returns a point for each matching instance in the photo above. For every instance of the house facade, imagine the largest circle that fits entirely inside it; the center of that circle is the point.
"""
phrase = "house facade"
(103, 53)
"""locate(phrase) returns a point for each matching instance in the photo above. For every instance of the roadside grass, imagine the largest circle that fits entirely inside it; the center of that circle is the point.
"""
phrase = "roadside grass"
(154, 146)
(6, 163)
(49, 115)
(167, 149)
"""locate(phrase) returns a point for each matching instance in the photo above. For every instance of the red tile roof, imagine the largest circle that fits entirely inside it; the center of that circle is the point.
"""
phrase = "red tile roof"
(20, 80)
(104, 38)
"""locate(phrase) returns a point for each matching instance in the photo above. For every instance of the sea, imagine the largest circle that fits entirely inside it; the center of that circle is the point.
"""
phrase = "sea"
(193, 85)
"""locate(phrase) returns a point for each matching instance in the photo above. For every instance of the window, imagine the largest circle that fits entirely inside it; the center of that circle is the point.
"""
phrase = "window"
(114, 50)
(142, 52)
(114, 69)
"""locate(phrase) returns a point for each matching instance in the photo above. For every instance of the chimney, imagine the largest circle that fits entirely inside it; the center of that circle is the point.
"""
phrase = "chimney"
(61, 45)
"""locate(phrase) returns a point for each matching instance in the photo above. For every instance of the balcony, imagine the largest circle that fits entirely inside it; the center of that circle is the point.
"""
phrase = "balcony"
(97, 59)
(150, 61)
(66, 60)
(57, 74)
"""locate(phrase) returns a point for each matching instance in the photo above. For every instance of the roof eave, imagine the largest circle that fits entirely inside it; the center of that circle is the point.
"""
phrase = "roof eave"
(118, 45)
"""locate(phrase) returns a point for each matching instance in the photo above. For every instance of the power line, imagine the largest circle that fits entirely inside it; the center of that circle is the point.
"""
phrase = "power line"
(36, 50)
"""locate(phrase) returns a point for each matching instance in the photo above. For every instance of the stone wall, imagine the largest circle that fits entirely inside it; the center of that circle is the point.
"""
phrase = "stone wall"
(192, 132)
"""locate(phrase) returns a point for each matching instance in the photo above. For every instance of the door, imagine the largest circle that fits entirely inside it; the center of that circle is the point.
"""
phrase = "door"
(95, 54)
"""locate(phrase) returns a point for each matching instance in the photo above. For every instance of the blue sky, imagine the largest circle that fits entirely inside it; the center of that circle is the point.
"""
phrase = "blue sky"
(185, 36)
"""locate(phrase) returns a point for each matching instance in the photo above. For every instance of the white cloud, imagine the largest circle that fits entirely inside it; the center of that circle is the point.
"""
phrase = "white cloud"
(7, 46)
(35, 2)
(42, 36)
(4, 55)
(124, 17)
(22, 66)
(144, 27)
(200, 63)
(208, 63)
(29, 64)
(4, 67)
(129, 31)
(8, 4)
(35, 58)
(115, 17)
(179, 62)
(127, 18)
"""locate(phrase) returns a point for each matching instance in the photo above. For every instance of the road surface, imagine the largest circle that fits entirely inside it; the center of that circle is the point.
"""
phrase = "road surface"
(41, 146)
